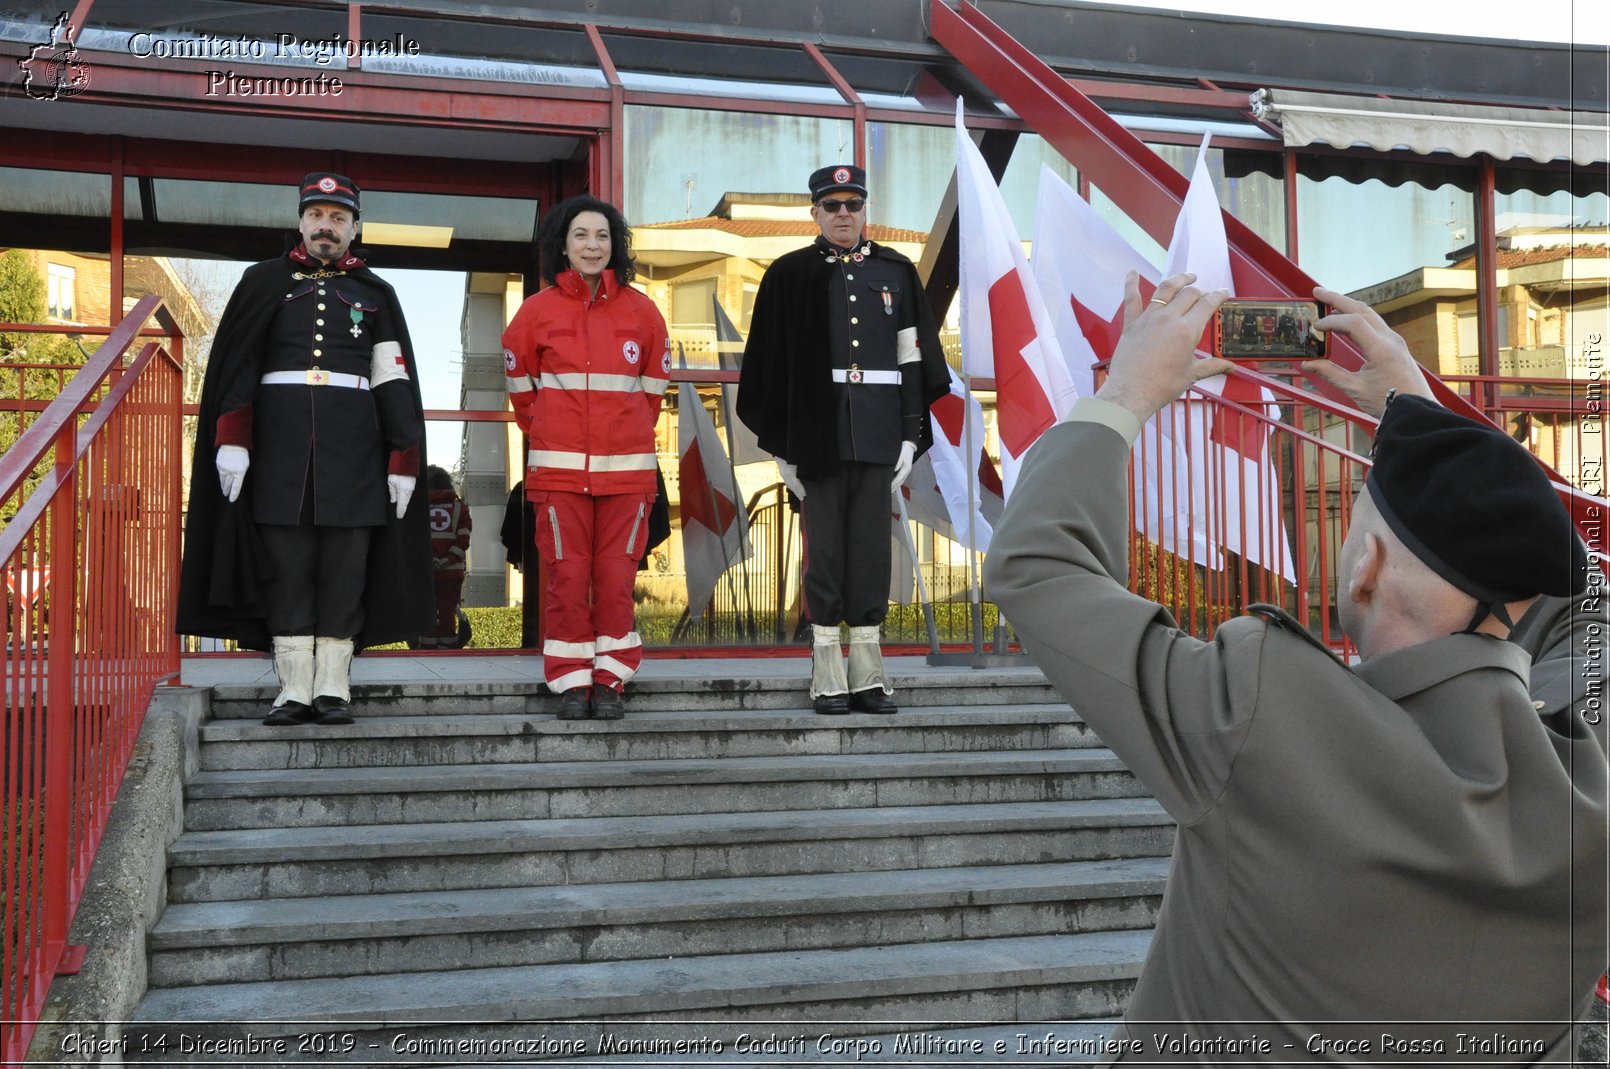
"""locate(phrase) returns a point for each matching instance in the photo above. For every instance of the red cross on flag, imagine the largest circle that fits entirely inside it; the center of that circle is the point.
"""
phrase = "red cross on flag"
(715, 531)
(27, 584)
(1006, 331)
(1080, 262)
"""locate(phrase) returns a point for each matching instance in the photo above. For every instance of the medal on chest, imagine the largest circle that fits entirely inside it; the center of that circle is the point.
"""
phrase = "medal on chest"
(357, 320)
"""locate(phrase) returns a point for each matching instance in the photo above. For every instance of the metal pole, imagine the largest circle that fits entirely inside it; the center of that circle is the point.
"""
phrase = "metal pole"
(916, 568)
(975, 600)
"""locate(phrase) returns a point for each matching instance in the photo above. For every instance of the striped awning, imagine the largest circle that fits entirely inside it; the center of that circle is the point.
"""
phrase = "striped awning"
(1428, 127)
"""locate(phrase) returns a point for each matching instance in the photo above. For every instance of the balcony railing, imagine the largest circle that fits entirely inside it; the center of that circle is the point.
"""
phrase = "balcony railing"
(90, 557)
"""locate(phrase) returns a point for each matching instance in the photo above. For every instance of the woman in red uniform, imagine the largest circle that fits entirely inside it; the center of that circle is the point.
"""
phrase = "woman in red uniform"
(587, 364)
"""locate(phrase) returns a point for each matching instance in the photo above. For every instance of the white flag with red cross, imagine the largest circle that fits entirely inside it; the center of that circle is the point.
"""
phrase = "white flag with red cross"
(1080, 261)
(936, 491)
(1234, 488)
(1006, 330)
(715, 531)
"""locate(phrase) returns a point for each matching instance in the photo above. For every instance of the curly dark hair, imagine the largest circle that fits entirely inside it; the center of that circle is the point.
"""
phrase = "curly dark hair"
(556, 224)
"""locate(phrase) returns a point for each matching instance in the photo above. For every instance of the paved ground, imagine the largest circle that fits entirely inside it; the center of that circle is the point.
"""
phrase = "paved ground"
(206, 671)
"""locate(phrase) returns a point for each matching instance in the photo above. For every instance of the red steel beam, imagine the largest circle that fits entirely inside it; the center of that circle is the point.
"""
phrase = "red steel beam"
(1488, 341)
(355, 33)
(115, 244)
(611, 138)
(851, 97)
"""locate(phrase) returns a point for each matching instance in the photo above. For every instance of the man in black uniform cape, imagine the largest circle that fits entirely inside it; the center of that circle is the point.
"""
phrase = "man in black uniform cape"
(842, 362)
(312, 387)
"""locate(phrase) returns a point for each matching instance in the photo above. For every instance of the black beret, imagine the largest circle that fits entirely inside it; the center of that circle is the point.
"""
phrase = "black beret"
(325, 187)
(835, 177)
(1473, 504)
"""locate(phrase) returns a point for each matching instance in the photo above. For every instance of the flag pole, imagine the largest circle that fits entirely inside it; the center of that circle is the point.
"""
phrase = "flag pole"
(974, 584)
(916, 568)
(732, 468)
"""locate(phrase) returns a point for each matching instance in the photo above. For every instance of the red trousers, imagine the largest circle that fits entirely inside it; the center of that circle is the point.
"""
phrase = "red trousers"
(449, 593)
(590, 547)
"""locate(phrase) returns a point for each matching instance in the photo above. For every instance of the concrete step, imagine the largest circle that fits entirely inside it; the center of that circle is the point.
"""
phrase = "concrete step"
(1035, 978)
(275, 798)
(460, 739)
(293, 862)
(277, 939)
(721, 692)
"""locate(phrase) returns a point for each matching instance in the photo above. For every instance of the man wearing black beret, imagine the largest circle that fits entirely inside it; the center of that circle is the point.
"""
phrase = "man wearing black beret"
(1395, 861)
(842, 362)
(304, 535)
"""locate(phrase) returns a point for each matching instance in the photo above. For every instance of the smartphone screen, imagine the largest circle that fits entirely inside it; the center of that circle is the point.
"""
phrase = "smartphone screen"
(1268, 329)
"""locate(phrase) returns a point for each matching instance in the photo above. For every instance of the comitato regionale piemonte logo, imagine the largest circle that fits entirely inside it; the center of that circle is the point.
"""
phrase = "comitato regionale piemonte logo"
(52, 70)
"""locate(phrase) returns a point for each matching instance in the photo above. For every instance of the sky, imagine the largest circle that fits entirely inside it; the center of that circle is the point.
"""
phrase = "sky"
(1543, 20)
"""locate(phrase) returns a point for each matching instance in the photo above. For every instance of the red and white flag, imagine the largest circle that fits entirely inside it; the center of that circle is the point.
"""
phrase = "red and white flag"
(741, 443)
(1006, 331)
(1234, 490)
(937, 493)
(715, 531)
(1080, 261)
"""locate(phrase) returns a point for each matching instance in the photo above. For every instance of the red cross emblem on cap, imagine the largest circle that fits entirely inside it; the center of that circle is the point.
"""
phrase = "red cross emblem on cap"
(841, 175)
(327, 184)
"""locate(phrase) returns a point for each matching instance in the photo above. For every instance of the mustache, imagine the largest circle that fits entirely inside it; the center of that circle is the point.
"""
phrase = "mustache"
(325, 235)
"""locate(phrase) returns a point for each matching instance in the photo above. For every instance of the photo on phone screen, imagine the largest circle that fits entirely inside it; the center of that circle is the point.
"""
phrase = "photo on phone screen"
(1269, 329)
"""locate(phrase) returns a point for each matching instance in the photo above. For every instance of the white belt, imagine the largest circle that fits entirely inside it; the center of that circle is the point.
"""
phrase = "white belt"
(315, 377)
(863, 377)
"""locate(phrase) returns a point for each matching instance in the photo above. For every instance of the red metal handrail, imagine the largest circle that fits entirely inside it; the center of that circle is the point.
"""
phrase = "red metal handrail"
(90, 561)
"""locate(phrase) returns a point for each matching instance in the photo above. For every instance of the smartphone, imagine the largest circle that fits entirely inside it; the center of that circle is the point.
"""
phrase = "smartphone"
(1268, 328)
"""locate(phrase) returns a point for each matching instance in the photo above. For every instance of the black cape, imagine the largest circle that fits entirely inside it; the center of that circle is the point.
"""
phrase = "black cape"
(785, 387)
(223, 571)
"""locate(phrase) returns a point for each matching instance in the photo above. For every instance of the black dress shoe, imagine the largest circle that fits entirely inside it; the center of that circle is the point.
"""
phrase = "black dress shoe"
(573, 704)
(873, 701)
(290, 713)
(607, 703)
(332, 710)
(832, 704)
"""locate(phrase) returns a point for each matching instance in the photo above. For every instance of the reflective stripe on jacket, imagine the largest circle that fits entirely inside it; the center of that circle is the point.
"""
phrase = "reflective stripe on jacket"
(586, 376)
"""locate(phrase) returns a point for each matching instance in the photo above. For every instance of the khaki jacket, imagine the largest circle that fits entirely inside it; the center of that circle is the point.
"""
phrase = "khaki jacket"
(1371, 863)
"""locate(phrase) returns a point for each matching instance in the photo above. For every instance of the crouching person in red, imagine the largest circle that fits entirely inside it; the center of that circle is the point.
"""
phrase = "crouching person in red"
(587, 362)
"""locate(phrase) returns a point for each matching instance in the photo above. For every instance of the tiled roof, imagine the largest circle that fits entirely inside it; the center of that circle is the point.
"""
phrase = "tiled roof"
(781, 228)
(1527, 257)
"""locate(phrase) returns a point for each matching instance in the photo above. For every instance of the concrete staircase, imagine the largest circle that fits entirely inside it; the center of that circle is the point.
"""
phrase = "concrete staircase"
(459, 867)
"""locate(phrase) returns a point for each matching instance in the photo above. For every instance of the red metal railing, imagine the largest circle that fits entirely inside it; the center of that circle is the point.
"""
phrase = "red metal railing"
(90, 560)
(1236, 503)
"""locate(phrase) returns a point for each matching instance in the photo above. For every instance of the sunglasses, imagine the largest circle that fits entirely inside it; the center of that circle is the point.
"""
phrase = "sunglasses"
(831, 207)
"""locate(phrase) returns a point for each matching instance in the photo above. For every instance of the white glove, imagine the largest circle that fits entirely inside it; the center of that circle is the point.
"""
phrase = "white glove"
(233, 460)
(790, 474)
(401, 488)
(902, 467)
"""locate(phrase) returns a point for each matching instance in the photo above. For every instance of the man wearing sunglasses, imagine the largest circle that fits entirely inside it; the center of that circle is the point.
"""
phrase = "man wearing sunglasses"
(842, 362)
